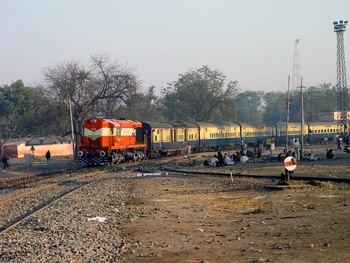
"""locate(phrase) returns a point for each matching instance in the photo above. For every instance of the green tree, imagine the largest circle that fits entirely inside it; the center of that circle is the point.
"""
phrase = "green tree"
(275, 107)
(316, 99)
(321, 98)
(199, 95)
(142, 106)
(153, 108)
(249, 106)
(22, 111)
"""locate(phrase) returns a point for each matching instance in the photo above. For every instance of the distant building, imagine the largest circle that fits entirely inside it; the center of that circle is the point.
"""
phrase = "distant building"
(58, 146)
(331, 116)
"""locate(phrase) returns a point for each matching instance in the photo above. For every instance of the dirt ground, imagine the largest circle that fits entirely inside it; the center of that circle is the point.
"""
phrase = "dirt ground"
(192, 218)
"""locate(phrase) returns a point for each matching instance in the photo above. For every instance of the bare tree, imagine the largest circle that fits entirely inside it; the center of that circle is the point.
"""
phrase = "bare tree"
(92, 90)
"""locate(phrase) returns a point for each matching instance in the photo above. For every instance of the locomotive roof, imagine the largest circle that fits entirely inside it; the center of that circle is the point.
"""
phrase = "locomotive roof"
(114, 122)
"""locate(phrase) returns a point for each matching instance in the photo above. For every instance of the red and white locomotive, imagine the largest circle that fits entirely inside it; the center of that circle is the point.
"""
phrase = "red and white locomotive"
(107, 141)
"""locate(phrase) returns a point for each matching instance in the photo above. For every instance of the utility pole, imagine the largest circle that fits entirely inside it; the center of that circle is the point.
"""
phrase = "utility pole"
(287, 121)
(342, 89)
(72, 127)
(302, 119)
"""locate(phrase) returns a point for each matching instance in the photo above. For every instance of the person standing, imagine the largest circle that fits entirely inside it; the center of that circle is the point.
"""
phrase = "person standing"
(272, 148)
(5, 160)
(48, 157)
(268, 144)
(188, 147)
(260, 148)
(242, 144)
(296, 146)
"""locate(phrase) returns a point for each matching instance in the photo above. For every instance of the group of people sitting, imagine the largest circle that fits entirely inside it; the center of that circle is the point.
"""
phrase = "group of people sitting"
(222, 160)
(219, 160)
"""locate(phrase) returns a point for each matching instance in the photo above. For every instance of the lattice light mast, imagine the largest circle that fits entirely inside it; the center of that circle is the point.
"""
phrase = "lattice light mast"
(342, 88)
(297, 74)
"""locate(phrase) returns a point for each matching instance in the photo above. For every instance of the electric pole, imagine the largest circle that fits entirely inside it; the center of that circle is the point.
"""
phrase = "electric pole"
(287, 120)
(302, 119)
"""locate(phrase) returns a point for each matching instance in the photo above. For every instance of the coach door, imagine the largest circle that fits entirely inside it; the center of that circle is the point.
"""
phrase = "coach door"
(161, 135)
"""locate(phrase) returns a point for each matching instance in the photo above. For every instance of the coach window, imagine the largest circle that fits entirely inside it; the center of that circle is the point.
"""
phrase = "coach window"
(155, 138)
(111, 131)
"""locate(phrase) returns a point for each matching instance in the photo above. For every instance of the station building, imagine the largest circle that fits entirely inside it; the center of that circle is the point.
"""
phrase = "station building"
(58, 146)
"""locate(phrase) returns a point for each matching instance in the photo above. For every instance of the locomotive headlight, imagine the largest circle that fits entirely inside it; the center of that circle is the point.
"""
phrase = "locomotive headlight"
(102, 153)
(93, 121)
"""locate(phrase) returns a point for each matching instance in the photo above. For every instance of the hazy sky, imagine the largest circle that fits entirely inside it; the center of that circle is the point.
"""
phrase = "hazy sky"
(250, 41)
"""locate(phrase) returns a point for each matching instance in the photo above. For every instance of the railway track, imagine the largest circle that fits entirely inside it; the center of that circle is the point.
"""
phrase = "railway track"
(14, 222)
(239, 175)
(53, 225)
(25, 181)
(28, 202)
(33, 201)
(41, 192)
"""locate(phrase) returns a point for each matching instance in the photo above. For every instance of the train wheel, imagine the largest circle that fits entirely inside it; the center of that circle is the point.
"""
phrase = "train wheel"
(114, 158)
(117, 158)
(142, 156)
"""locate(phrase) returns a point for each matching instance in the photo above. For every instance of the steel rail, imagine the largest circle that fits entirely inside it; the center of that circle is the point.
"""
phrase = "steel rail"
(294, 177)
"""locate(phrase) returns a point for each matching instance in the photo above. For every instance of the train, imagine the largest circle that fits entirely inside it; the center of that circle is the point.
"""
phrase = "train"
(112, 141)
